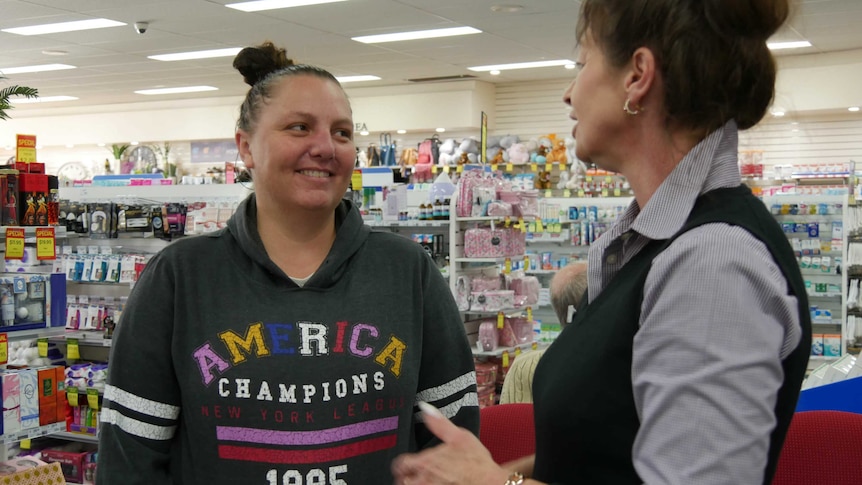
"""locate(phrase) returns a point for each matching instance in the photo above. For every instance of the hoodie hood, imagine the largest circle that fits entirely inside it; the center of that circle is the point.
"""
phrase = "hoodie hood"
(351, 234)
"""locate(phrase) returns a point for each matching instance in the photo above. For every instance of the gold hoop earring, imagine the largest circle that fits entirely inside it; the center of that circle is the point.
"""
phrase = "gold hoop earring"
(628, 110)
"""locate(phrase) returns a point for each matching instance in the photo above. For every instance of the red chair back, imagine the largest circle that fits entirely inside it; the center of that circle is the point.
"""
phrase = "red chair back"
(507, 431)
(821, 447)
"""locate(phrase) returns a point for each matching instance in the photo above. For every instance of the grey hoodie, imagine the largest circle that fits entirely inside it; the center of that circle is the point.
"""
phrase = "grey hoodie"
(224, 371)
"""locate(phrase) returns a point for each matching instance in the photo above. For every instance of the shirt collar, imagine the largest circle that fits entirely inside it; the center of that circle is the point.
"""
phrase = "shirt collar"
(711, 164)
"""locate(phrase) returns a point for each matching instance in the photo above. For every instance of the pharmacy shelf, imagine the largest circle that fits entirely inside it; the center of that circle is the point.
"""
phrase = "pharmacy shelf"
(31, 333)
(93, 338)
(79, 437)
(32, 433)
(498, 352)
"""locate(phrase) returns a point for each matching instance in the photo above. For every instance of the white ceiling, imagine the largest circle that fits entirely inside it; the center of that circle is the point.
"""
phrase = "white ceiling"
(112, 62)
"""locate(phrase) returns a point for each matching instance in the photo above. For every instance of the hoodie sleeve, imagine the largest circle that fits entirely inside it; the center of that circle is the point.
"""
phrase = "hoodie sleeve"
(141, 403)
(447, 377)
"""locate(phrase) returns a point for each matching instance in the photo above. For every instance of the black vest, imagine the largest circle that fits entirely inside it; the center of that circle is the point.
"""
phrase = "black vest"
(585, 413)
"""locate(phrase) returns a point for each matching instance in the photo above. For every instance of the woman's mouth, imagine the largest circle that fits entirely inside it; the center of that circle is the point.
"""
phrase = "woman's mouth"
(315, 173)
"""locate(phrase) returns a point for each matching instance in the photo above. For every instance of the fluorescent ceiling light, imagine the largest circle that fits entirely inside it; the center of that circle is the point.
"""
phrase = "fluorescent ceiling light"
(354, 79)
(275, 4)
(521, 65)
(41, 68)
(788, 45)
(43, 99)
(419, 34)
(185, 89)
(853, 109)
(64, 27)
(184, 56)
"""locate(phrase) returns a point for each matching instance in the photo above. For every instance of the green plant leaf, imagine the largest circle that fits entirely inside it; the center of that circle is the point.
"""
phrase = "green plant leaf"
(9, 91)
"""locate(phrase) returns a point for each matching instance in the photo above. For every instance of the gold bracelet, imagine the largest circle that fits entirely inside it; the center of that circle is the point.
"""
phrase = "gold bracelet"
(515, 479)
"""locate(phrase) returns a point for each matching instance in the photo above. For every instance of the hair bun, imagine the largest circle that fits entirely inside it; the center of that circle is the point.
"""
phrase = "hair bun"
(255, 63)
(756, 19)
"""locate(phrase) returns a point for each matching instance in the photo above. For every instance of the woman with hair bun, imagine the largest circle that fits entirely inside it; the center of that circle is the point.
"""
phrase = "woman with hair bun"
(292, 346)
(686, 364)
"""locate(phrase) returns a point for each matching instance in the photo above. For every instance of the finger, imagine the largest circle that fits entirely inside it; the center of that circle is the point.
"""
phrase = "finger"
(437, 423)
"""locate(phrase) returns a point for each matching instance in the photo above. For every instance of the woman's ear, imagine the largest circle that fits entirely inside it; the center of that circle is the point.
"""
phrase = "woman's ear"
(242, 145)
(641, 75)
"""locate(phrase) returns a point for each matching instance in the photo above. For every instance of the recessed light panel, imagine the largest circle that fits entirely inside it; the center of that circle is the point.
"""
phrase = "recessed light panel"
(64, 27)
(418, 34)
(184, 89)
(354, 79)
(208, 54)
(275, 4)
(43, 99)
(521, 65)
(788, 45)
(40, 68)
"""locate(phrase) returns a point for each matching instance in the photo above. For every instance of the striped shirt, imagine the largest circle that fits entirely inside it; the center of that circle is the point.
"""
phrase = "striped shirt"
(716, 320)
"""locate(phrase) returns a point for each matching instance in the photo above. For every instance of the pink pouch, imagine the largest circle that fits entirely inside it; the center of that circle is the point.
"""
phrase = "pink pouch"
(528, 205)
(499, 208)
(462, 292)
(506, 336)
(522, 329)
(486, 283)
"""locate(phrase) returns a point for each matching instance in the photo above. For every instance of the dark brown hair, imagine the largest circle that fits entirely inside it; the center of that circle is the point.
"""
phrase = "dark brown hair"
(712, 53)
(262, 67)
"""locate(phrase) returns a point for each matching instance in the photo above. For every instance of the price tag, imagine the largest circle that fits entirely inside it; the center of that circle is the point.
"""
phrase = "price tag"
(14, 243)
(45, 243)
(589, 178)
(42, 346)
(356, 180)
(609, 179)
(433, 168)
(539, 226)
(93, 398)
(507, 221)
(534, 167)
(500, 320)
(567, 193)
(505, 359)
(617, 192)
(25, 444)
(549, 166)
(73, 352)
(548, 193)
(494, 167)
(529, 314)
(604, 192)
(459, 168)
(72, 396)
(4, 348)
(535, 345)
(517, 351)
(445, 168)
(522, 224)
(508, 266)
(510, 167)
(581, 193)
(526, 262)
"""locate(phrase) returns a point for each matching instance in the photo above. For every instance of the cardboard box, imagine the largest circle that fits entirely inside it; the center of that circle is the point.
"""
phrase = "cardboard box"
(817, 344)
(60, 380)
(72, 459)
(33, 197)
(831, 345)
(26, 474)
(11, 386)
(29, 380)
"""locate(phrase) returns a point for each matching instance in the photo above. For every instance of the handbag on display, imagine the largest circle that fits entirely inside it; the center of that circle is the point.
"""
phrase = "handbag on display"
(387, 150)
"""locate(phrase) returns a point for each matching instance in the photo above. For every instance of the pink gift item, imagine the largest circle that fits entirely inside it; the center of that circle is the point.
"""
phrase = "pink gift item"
(486, 373)
(462, 293)
(467, 193)
(492, 301)
(528, 205)
(517, 243)
(499, 208)
(522, 329)
(526, 290)
(506, 336)
(488, 337)
(486, 243)
(486, 283)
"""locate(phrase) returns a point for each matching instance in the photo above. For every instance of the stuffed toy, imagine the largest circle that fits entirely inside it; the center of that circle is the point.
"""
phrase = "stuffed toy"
(564, 180)
(543, 180)
(492, 147)
(518, 154)
(447, 152)
(558, 152)
(499, 158)
(538, 156)
(470, 146)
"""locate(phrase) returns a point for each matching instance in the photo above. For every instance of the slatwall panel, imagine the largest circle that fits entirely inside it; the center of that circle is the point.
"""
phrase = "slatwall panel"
(809, 140)
(532, 109)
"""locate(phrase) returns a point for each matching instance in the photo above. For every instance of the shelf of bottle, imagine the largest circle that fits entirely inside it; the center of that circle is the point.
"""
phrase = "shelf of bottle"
(79, 437)
(817, 272)
(92, 338)
(31, 333)
(808, 217)
(488, 260)
(824, 295)
(541, 271)
(413, 223)
(831, 322)
(31, 433)
(509, 312)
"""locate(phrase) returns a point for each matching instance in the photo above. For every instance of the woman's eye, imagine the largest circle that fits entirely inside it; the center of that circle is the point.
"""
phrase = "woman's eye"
(298, 127)
(344, 133)
(579, 65)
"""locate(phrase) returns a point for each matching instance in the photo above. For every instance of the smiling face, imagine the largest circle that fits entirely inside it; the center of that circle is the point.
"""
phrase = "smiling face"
(596, 97)
(301, 149)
